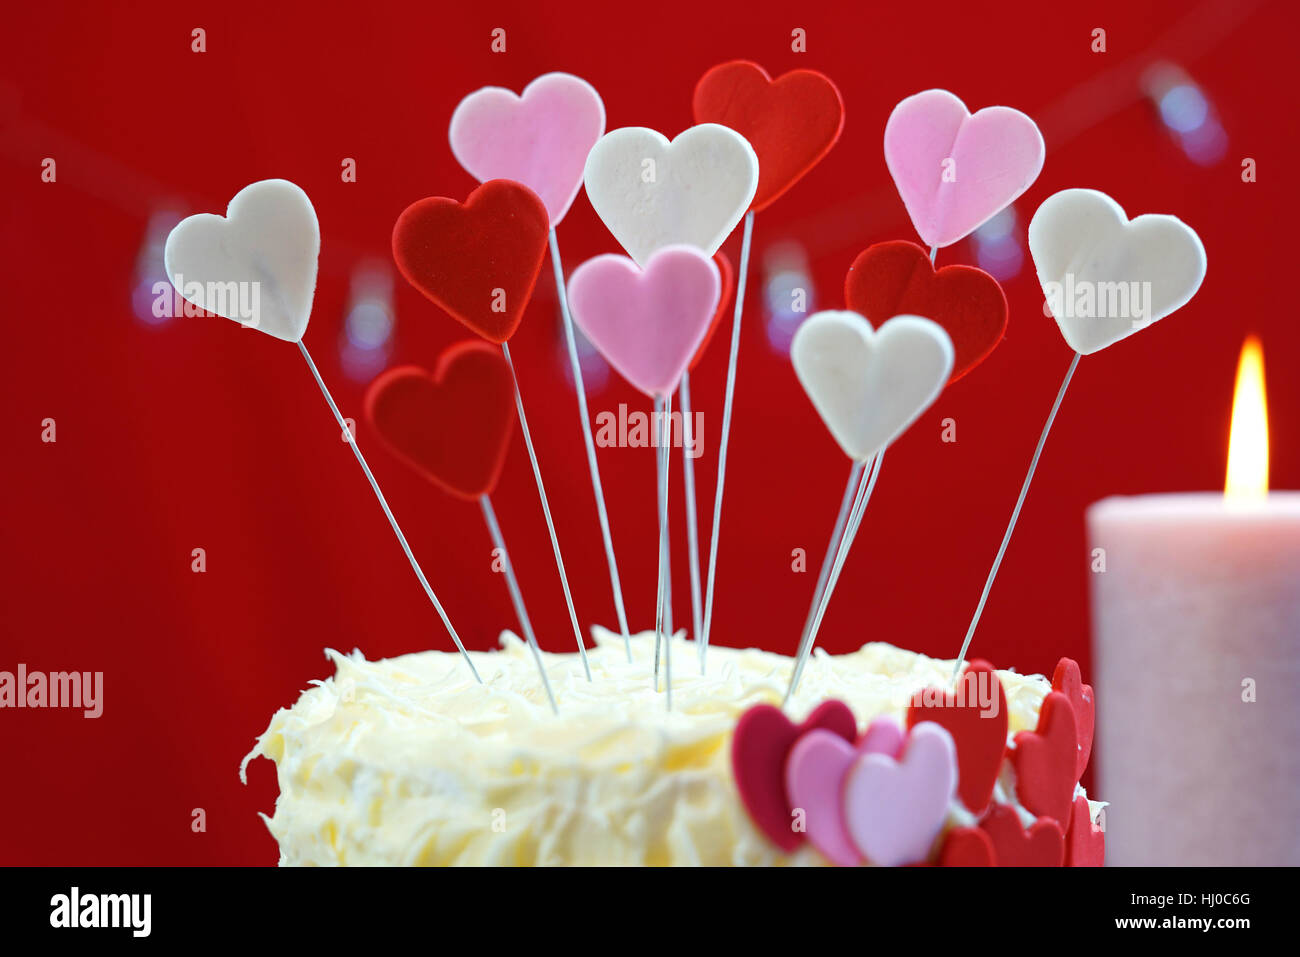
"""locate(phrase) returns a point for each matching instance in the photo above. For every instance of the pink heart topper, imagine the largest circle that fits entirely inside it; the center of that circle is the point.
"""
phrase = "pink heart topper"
(540, 139)
(894, 809)
(647, 323)
(814, 780)
(955, 170)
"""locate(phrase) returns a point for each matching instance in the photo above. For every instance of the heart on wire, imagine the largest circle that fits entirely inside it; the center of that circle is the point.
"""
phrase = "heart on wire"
(647, 323)
(956, 170)
(1105, 276)
(452, 425)
(540, 138)
(478, 260)
(255, 265)
(870, 385)
(651, 193)
(791, 122)
(896, 277)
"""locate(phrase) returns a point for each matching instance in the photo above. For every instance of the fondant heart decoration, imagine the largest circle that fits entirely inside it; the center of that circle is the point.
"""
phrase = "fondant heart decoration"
(967, 847)
(1085, 843)
(954, 170)
(1105, 276)
(975, 714)
(869, 386)
(540, 139)
(651, 193)
(1045, 760)
(791, 122)
(647, 323)
(452, 425)
(896, 277)
(1069, 681)
(894, 809)
(1041, 845)
(255, 265)
(727, 275)
(477, 261)
(814, 781)
(759, 748)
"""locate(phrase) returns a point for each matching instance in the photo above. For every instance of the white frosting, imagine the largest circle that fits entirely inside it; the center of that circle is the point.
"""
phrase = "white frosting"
(410, 761)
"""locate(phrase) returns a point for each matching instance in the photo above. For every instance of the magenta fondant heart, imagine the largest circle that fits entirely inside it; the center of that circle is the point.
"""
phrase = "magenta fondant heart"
(894, 809)
(955, 170)
(647, 323)
(814, 782)
(760, 748)
(540, 139)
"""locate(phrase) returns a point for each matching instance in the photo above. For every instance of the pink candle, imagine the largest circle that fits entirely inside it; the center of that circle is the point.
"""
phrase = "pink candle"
(1196, 635)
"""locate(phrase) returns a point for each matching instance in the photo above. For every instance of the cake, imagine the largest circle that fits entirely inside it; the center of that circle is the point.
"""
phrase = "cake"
(409, 761)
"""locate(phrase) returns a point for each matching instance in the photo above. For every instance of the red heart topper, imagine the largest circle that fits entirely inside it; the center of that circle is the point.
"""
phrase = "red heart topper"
(759, 747)
(1040, 845)
(452, 425)
(791, 122)
(1085, 843)
(728, 277)
(1069, 682)
(967, 847)
(976, 717)
(897, 277)
(478, 261)
(1045, 760)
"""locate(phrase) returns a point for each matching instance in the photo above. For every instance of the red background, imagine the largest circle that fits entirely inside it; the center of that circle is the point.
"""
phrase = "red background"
(198, 434)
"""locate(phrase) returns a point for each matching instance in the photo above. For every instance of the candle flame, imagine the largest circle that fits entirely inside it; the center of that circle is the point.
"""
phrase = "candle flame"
(1247, 478)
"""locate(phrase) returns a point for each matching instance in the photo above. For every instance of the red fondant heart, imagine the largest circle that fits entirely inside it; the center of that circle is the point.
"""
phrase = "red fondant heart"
(1085, 844)
(478, 261)
(896, 278)
(452, 425)
(1045, 760)
(728, 277)
(967, 847)
(762, 740)
(1069, 682)
(791, 122)
(1042, 845)
(981, 739)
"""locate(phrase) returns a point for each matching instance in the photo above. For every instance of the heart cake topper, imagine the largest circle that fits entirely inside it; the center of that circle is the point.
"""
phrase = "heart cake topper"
(1105, 276)
(870, 385)
(651, 193)
(760, 747)
(647, 323)
(975, 714)
(478, 260)
(814, 780)
(896, 277)
(452, 425)
(956, 170)
(255, 265)
(895, 808)
(540, 139)
(791, 122)
(1045, 760)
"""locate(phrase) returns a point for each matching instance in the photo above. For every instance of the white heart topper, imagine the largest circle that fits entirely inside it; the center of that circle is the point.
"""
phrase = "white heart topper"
(1105, 276)
(869, 386)
(651, 193)
(255, 265)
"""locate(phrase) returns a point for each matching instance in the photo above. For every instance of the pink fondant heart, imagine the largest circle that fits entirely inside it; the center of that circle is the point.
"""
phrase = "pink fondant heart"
(955, 170)
(814, 782)
(540, 139)
(759, 749)
(647, 323)
(894, 809)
